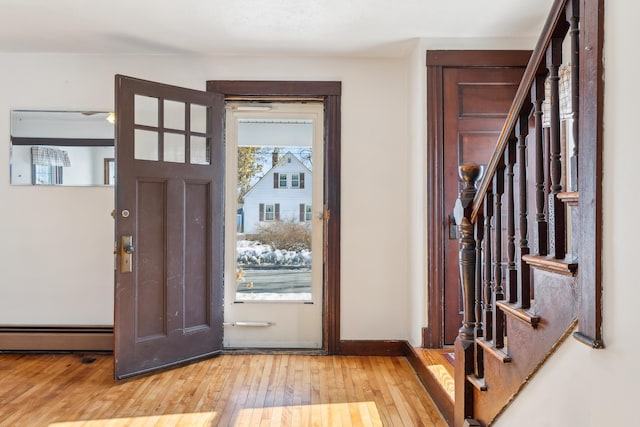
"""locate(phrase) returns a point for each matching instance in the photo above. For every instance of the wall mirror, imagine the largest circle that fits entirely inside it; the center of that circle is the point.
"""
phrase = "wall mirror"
(68, 148)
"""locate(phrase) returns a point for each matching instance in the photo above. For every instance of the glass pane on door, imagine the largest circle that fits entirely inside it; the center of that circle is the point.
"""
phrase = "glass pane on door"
(145, 110)
(174, 115)
(273, 225)
(174, 147)
(200, 153)
(146, 145)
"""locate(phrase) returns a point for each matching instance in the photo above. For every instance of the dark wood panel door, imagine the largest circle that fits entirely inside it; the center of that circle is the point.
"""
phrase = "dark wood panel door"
(475, 104)
(169, 225)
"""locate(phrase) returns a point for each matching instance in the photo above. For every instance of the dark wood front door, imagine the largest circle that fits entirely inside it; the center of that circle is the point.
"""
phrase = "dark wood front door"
(472, 96)
(169, 225)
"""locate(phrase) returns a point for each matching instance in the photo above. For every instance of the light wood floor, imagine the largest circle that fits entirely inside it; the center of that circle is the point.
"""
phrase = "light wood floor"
(230, 390)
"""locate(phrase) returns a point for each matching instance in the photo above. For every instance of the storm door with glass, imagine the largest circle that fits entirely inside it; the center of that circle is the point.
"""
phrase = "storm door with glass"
(274, 245)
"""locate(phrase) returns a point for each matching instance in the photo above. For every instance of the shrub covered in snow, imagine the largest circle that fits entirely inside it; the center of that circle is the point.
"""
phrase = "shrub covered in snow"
(285, 235)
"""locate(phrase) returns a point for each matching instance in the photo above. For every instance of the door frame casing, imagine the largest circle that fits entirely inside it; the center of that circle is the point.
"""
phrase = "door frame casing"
(436, 62)
(329, 92)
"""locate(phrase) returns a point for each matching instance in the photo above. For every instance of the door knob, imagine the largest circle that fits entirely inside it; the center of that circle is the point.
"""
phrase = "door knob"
(126, 254)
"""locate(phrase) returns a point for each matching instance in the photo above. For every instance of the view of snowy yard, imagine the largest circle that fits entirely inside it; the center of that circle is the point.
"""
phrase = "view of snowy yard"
(267, 274)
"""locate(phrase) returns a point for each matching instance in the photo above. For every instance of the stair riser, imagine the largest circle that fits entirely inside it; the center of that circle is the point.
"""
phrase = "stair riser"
(556, 303)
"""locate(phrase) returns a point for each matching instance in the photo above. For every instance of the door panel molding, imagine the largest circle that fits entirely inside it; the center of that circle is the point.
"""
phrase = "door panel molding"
(330, 94)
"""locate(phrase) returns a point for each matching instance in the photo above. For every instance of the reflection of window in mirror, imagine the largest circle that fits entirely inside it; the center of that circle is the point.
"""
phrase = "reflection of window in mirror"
(109, 171)
(62, 148)
(46, 175)
(47, 164)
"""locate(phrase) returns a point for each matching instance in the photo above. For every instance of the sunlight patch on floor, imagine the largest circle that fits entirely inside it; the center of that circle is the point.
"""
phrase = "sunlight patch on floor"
(357, 413)
(192, 419)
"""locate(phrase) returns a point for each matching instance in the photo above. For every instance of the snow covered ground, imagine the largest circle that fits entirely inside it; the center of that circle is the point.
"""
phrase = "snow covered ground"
(266, 296)
(253, 254)
(265, 274)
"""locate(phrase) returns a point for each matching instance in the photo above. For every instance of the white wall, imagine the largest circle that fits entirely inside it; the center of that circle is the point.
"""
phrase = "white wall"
(580, 386)
(415, 225)
(56, 260)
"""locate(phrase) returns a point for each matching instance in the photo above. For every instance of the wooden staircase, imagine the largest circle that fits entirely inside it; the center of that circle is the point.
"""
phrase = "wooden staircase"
(529, 223)
(528, 344)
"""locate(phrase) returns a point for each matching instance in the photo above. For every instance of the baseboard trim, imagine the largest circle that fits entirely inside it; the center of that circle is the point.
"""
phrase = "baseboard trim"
(56, 338)
(371, 348)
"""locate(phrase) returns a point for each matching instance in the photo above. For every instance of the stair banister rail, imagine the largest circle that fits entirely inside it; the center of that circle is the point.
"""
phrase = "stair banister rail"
(554, 27)
(494, 272)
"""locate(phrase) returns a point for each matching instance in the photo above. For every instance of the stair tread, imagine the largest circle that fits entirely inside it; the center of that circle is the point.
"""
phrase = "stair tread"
(570, 197)
(478, 383)
(521, 313)
(436, 372)
(440, 368)
(491, 349)
(567, 266)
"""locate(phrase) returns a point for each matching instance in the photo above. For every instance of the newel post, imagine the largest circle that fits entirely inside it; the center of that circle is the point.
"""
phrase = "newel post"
(464, 344)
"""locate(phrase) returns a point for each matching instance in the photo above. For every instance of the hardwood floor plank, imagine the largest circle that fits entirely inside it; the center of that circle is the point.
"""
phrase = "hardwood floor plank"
(278, 395)
(261, 390)
(384, 402)
(236, 390)
(287, 396)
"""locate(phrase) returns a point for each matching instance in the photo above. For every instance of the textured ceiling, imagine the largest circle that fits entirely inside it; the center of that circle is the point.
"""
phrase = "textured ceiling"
(257, 27)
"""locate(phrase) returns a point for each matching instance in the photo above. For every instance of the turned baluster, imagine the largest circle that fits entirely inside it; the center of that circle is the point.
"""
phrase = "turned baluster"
(556, 207)
(524, 287)
(547, 177)
(479, 331)
(487, 319)
(498, 289)
(465, 343)
(512, 272)
(573, 17)
(468, 172)
(537, 97)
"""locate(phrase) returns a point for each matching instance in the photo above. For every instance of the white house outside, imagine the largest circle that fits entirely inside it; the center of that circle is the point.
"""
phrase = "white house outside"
(284, 193)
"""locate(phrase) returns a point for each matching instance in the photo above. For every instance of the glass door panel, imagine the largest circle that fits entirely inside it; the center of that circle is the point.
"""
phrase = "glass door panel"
(274, 247)
(274, 237)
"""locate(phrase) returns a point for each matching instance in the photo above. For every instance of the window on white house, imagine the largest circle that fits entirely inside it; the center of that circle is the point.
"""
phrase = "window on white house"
(308, 214)
(282, 180)
(295, 180)
(269, 213)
